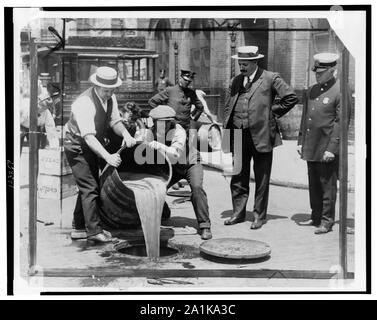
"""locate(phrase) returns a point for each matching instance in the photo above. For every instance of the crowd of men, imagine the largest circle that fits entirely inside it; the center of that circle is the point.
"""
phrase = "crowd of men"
(250, 110)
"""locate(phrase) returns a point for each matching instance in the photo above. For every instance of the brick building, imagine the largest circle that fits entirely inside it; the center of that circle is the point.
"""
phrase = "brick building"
(206, 46)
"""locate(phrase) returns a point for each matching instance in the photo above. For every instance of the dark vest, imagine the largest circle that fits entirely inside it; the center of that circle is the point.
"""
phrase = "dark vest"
(101, 120)
(241, 114)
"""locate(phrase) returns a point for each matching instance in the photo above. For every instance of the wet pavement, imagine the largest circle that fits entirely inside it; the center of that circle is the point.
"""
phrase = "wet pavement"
(293, 247)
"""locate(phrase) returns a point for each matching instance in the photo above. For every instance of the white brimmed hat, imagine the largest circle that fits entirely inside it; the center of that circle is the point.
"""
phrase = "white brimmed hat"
(162, 112)
(248, 53)
(324, 60)
(106, 77)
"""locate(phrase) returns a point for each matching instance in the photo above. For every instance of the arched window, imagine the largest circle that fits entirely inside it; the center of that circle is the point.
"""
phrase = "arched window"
(200, 51)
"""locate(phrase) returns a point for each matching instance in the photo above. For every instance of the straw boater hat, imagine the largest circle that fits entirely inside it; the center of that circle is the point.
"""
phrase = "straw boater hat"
(162, 112)
(248, 53)
(106, 77)
(324, 61)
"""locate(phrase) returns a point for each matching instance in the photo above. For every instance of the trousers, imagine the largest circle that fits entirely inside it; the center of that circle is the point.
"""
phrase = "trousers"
(193, 173)
(85, 169)
(323, 178)
(240, 182)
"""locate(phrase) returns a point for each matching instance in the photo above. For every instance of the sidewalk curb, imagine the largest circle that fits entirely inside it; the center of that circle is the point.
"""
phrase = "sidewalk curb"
(279, 183)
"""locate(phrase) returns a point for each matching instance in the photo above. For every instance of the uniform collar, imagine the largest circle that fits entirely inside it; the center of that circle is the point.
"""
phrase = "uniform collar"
(327, 85)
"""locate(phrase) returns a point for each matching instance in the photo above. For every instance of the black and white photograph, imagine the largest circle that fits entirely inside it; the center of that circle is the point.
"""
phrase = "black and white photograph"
(189, 150)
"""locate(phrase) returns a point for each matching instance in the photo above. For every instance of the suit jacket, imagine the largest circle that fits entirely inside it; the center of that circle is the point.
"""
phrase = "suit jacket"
(262, 111)
(320, 122)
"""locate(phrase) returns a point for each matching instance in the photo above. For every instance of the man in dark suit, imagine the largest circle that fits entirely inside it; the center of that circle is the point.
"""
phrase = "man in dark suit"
(318, 141)
(250, 108)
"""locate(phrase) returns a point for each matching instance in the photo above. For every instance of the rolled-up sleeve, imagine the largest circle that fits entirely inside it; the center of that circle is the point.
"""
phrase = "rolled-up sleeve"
(179, 139)
(83, 111)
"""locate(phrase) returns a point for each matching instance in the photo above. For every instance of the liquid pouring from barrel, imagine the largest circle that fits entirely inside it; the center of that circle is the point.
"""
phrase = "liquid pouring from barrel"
(134, 194)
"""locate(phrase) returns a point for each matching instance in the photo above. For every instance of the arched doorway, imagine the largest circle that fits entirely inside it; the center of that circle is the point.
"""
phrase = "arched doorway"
(162, 31)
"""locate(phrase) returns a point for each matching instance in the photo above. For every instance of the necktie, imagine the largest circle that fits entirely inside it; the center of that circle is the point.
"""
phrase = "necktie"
(248, 84)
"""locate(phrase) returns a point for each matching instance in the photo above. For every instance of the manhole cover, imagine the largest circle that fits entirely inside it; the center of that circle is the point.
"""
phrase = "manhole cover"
(141, 251)
(235, 248)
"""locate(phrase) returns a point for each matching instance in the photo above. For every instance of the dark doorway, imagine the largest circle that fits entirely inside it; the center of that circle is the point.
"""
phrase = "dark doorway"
(256, 34)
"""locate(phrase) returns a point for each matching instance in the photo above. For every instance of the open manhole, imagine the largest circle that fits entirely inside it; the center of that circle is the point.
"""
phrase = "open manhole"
(140, 250)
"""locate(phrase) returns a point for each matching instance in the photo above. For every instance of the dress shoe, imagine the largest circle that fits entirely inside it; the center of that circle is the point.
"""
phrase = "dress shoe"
(206, 234)
(323, 229)
(257, 224)
(77, 234)
(100, 238)
(309, 222)
(234, 220)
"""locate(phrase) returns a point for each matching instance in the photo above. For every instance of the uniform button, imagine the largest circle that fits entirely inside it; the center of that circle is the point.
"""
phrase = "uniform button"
(310, 118)
(307, 129)
(321, 89)
(317, 99)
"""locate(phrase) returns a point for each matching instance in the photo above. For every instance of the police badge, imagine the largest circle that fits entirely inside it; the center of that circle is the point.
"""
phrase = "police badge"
(326, 100)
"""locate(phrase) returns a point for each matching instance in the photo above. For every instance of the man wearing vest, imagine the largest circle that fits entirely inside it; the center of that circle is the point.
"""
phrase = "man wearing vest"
(318, 141)
(92, 113)
(250, 107)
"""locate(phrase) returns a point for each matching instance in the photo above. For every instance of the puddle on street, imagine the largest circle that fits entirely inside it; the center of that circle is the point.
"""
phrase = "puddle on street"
(188, 265)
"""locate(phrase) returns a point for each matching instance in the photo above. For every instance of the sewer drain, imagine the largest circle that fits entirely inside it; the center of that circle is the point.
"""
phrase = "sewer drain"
(141, 251)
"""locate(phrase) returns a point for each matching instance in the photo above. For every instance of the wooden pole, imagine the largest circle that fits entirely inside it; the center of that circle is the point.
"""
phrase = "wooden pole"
(176, 61)
(343, 162)
(33, 156)
(233, 37)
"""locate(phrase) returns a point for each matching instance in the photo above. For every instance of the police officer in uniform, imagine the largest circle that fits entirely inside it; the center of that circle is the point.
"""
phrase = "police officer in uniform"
(318, 141)
(92, 114)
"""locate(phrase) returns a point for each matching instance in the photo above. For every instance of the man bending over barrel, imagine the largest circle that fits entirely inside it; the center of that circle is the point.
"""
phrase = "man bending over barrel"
(170, 137)
(92, 113)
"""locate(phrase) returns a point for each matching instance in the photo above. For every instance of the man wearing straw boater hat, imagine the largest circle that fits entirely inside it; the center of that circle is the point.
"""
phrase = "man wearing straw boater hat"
(318, 141)
(92, 113)
(250, 107)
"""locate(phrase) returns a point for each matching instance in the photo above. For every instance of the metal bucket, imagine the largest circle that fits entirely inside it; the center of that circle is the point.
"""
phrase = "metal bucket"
(118, 207)
(209, 137)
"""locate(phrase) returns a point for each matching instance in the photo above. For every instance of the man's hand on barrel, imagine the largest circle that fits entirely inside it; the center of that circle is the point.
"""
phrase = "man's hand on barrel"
(128, 140)
(114, 159)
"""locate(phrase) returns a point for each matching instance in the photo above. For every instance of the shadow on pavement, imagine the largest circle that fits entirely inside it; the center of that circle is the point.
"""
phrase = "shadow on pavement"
(275, 217)
(350, 223)
(180, 222)
(249, 215)
(300, 217)
(228, 214)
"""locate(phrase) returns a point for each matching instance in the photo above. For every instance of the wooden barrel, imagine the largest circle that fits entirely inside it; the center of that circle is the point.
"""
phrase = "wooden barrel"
(118, 207)
(209, 137)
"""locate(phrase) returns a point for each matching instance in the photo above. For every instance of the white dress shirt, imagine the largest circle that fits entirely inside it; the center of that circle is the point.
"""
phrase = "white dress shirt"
(251, 77)
(84, 111)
